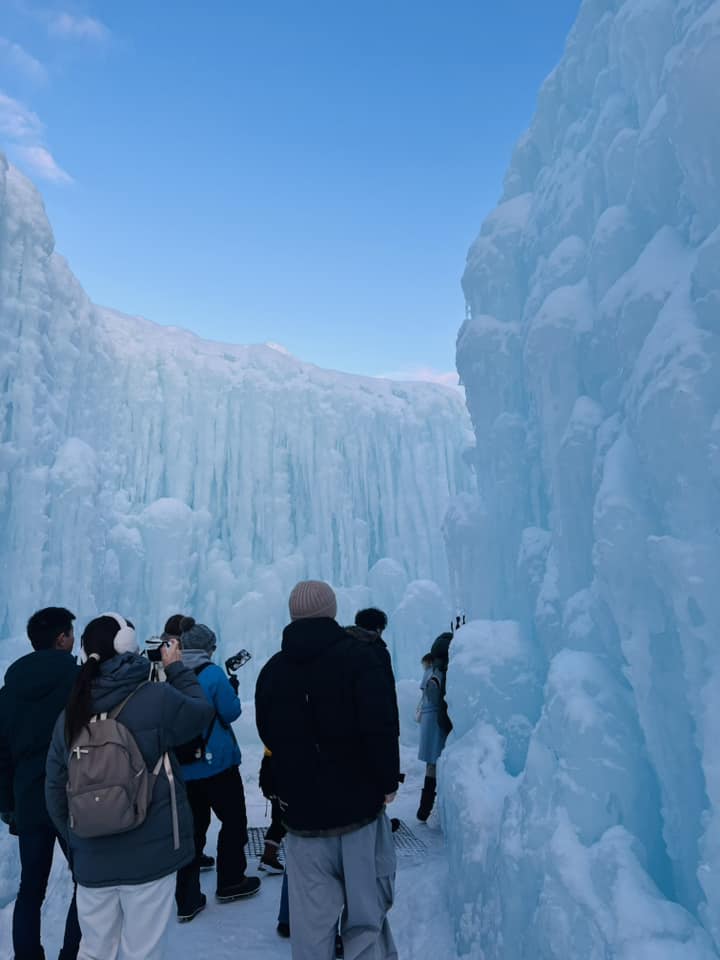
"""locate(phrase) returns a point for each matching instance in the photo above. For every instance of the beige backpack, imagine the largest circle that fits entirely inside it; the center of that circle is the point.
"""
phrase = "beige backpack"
(109, 787)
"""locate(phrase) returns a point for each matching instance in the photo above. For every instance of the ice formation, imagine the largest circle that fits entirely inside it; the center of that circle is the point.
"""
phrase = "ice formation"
(582, 798)
(146, 470)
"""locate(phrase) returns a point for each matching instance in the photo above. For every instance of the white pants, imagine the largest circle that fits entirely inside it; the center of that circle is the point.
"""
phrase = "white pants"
(128, 921)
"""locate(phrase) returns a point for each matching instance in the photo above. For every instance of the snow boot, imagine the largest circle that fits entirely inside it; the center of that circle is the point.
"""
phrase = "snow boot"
(339, 947)
(394, 824)
(206, 863)
(247, 887)
(427, 799)
(269, 862)
(283, 930)
(185, 916)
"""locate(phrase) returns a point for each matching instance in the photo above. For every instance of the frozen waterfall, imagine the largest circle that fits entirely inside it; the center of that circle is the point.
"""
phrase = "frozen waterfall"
(146, 470)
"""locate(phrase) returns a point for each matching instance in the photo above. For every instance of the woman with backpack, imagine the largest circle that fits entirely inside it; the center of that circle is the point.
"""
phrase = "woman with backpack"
(115, 793)
(211, 770)
(435, 724)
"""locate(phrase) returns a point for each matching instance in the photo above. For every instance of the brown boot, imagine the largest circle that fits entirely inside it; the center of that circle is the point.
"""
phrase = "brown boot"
(269, 861)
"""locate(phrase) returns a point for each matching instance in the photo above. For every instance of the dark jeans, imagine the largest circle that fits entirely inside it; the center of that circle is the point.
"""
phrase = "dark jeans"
(36, 856)
(275, 833)
(224, 796)
(284, 914)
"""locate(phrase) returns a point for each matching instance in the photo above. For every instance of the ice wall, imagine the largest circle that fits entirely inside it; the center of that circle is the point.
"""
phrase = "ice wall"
(585, 766)
(146, 470)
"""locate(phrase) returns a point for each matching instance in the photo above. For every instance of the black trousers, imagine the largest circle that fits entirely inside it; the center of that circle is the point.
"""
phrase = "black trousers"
(275, 833)
(224, 796)
(37, 846)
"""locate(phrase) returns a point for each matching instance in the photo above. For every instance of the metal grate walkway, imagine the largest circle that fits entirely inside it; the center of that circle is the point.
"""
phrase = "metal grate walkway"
(407, 844)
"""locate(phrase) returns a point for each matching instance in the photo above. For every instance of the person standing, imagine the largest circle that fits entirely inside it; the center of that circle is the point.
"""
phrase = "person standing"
(212, 778)
(327, 711)
(36, 689)
(435, 724)
(125, 874)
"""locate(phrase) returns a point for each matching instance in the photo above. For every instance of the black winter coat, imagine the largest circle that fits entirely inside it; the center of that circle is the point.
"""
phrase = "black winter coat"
(380, 650)
(36, 690)
(326, 709)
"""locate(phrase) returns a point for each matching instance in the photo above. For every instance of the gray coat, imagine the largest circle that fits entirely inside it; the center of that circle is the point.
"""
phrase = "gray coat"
(160, 716)
(432, 736)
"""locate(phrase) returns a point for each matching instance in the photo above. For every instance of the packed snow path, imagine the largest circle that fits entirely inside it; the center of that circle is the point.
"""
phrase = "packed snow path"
(419, 918)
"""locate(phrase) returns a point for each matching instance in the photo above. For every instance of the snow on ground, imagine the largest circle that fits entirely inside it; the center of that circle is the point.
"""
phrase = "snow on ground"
(420, 917)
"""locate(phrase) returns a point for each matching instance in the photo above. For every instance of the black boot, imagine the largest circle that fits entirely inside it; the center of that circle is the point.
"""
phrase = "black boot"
(427, 799)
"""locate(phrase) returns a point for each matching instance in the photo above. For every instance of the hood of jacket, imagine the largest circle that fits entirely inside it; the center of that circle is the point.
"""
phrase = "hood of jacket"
(195, 658)
(360, 633)
(307, 640)
(36, 676)
(118, 678)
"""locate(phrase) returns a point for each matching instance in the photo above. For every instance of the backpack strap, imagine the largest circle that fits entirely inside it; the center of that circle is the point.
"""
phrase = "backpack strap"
(116, 711)
(164, 762)
(206, 739)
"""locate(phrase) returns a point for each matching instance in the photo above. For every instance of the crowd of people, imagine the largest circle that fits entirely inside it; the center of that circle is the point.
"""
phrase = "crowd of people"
(124, 774)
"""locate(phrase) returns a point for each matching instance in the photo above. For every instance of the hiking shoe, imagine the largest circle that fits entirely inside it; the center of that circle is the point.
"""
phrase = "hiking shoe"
(283, 930)
(247, 887)
(271, 865)
(185, 916)
(206, 863)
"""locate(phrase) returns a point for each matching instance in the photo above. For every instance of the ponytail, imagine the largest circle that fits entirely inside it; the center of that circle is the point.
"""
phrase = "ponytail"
(79, 707)
(98, 643)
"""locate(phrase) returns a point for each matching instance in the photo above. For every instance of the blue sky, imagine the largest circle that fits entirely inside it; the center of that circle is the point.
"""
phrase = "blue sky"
(310, 173)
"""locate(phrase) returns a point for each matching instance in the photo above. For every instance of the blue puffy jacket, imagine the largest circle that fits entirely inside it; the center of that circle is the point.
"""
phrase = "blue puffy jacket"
(222, 745)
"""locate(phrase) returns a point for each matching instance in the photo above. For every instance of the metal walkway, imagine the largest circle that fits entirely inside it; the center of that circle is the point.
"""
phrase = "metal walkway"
(407, 844)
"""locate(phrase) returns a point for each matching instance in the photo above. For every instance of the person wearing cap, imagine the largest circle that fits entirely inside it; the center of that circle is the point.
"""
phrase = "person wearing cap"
(213, 782)
(35, 691)
(326, 709)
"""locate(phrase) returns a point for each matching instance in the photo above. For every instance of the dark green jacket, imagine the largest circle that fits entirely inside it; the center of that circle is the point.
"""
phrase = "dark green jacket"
(36, 690)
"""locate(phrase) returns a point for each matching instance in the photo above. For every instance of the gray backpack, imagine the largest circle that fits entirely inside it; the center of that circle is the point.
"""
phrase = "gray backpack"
(109, 787)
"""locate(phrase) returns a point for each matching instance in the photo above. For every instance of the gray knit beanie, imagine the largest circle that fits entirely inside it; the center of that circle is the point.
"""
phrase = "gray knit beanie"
(196, 636)
(312, 599)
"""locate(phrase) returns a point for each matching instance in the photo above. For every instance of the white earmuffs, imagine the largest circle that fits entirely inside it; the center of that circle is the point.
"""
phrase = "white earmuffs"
(125, 641)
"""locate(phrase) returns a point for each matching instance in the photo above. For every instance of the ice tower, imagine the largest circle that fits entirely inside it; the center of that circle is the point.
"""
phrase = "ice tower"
(586, 694)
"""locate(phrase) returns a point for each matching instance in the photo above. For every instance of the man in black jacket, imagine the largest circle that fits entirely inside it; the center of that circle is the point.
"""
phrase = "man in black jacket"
(37, 687)
(369, 626)
(326, 708)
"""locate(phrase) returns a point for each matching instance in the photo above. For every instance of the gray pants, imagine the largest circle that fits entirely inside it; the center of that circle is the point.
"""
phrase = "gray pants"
(326, 874)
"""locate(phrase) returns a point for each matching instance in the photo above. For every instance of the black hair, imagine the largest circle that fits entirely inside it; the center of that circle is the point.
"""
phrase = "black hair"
(371, 619)
(98, 643)
(45, 626)
(440, 651)
(173, 627)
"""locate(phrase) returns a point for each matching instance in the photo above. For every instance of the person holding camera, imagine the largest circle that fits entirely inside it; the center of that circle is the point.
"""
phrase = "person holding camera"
(114, 792)
(211, 769)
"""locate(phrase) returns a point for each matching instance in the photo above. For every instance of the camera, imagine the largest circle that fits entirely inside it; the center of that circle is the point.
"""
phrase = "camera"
(153, 648)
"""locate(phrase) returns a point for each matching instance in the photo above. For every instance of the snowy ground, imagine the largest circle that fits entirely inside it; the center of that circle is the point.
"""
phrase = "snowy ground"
(247, 929)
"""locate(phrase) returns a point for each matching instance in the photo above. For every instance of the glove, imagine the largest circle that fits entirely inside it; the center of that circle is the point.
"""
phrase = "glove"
(234, 683)
(266, 780)
(9, 819)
